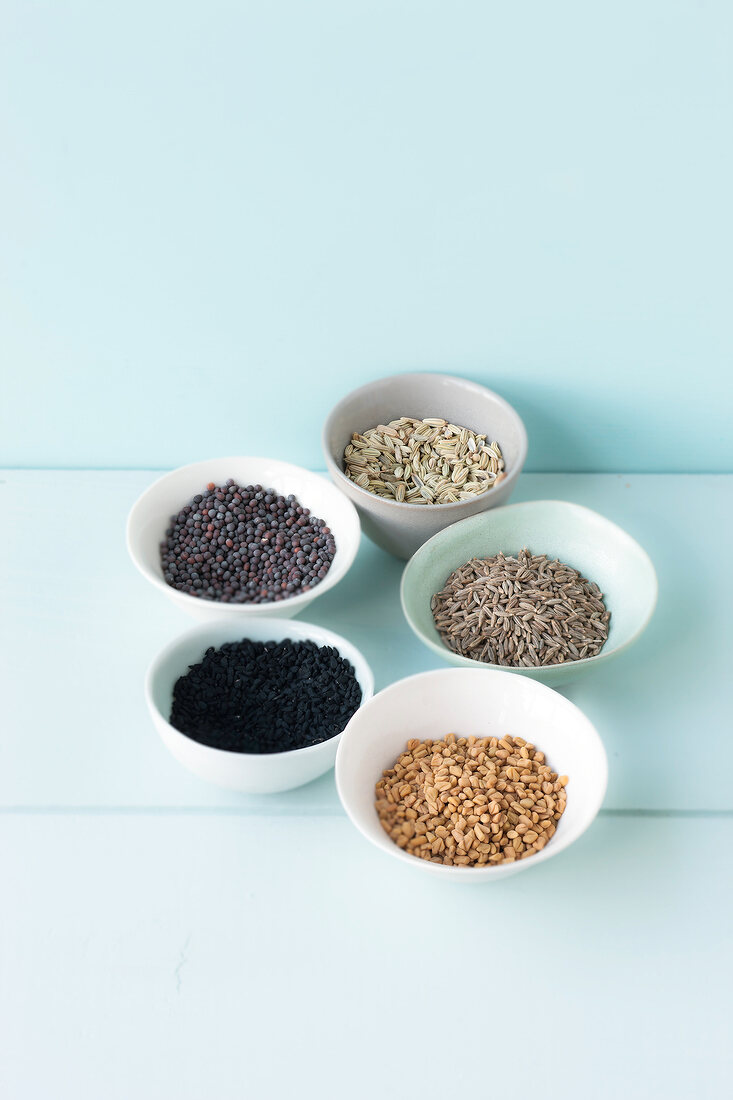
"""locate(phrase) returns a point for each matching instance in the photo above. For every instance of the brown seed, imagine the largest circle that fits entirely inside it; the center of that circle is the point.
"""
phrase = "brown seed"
(540, 612)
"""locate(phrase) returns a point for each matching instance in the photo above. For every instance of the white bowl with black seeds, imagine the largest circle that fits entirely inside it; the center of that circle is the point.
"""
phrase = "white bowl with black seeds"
(241, 537)
(251, 772)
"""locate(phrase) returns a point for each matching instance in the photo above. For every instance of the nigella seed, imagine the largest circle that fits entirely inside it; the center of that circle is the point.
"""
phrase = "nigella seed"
(265, 697)
(252, 533)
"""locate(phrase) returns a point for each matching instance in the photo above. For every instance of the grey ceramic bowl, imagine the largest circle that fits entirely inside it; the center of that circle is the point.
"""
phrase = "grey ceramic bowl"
(584, 539)
(402, 528)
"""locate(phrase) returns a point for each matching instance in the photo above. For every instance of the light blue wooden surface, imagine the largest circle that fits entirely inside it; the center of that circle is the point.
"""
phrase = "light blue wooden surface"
(160, 938)
(267, 202)
(185, 956)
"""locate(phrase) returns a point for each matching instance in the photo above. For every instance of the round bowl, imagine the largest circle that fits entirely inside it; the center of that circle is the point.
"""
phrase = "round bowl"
(402, 528)
(151, 514)
(577, 536)
(471, 703)
(255, 773)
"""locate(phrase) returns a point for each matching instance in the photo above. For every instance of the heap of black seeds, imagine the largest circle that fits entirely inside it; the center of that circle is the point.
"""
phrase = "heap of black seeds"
(265, 696)
(245, 545)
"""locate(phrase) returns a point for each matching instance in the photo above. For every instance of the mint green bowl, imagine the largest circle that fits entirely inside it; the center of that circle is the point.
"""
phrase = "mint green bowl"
(577, 536)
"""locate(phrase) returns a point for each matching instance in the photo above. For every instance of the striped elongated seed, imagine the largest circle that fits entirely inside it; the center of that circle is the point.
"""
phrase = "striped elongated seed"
(520, 612)
(451, 463)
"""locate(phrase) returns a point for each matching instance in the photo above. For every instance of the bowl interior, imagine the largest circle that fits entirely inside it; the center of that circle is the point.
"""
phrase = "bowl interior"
(151, 513)
(603, 553)
(189, 649)
(471, 702)
(423, 395)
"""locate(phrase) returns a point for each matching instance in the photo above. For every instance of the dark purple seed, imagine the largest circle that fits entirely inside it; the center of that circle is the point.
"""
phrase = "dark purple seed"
(248, 545)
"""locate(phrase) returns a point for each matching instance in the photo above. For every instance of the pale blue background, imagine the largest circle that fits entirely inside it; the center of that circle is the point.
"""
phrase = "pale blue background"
(217, 217)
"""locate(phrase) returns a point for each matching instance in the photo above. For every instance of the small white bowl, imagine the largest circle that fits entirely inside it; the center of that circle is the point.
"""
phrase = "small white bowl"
(471, 702)
(150, 517)
(255, 773)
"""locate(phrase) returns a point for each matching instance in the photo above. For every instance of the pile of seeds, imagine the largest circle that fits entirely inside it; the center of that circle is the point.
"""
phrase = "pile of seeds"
(245, 545)
(423, 461)
(521, 612)
(469, 801)
(265, 697)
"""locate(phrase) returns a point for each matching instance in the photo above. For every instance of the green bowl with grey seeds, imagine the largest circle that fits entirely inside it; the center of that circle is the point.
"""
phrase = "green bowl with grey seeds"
(616, 568)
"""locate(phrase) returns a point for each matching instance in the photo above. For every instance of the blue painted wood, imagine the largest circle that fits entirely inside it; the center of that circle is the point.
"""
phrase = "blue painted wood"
(79, 627)
(189, 957)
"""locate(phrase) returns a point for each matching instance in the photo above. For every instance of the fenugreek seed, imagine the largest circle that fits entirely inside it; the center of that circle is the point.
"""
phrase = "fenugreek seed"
(429, 824)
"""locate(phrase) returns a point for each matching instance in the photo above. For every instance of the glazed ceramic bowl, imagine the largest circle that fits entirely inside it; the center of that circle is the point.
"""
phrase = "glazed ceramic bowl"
(469, 702)
(576, 535)
(402, 528)
(151, 514)
(255, 773)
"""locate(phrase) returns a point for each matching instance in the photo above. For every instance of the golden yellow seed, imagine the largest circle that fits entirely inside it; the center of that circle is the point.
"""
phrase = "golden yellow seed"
(433, 801)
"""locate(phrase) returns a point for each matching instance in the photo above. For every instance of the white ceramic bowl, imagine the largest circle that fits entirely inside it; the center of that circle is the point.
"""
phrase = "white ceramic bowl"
(151, 514)
(483, 704)
(255, 773)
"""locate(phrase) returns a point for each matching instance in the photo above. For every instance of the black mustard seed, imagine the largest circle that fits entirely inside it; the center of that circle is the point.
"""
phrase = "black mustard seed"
(245, 544)
(265, 697)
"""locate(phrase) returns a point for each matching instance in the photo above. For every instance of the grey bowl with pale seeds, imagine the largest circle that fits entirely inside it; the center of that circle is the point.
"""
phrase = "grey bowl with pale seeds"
(401, 527)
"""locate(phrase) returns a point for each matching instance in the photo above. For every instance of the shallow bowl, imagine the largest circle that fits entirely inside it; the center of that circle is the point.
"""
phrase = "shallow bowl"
(402, 528)
(151, 514)
(255, 773)
(469, 702)
(603, 553)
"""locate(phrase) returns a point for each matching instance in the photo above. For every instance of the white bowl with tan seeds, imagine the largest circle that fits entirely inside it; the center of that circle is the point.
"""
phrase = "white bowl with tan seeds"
(471, 703)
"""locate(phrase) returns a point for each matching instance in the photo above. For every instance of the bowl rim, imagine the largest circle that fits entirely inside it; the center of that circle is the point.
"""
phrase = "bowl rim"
(428, 509)
(531, 673)
(501, 870)
(247, 609)
(284, 626)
